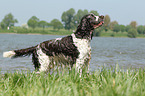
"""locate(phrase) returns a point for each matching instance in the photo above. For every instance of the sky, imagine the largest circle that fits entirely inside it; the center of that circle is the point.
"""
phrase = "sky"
(123, 11)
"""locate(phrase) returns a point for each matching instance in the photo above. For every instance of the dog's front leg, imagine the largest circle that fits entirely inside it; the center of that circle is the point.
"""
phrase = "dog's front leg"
(79, 65)
(88, 62)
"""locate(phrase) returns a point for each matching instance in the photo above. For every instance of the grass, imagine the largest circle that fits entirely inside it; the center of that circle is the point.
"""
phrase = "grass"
(50, 31)
(103, 82)
(19, 30)
(119, 34)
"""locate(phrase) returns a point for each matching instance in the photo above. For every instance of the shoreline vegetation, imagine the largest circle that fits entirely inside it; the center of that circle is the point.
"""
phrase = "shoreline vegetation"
(51, 31)
(103, 82)
(70, 19)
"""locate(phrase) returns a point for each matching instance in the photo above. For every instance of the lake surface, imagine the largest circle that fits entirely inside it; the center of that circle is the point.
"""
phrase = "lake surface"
(108, 51)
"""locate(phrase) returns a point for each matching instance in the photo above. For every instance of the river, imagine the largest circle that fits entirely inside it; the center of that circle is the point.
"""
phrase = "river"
(108, 51)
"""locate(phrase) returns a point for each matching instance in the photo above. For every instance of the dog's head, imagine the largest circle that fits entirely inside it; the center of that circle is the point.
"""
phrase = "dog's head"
(88, 24)
(91, 21)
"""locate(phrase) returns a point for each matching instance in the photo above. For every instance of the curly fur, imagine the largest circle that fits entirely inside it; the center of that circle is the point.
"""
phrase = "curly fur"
(73, 50)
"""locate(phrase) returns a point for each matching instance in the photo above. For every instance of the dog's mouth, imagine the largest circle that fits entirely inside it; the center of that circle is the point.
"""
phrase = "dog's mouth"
(98, 23)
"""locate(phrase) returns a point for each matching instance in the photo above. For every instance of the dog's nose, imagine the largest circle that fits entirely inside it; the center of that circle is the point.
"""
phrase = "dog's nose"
(102, 17)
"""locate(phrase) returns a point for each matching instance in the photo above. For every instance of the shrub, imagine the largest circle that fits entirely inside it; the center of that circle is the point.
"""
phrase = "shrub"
(132, 33)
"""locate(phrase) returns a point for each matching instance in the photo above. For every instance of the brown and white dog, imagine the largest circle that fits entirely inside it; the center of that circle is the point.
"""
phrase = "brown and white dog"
(73, 50)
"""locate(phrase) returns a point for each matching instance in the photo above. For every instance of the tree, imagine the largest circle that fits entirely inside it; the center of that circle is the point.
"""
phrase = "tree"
(33, 22)
(42, 24)
(141, 29)
(106, 22)
(133, 24)
(56, 24)
(112, 24)
(132, 33)
(128, 27)
(97, 32)
(116, 28)
(94, 12)
(2, 25)
(8, 21)
(122, 28)
(67, 18)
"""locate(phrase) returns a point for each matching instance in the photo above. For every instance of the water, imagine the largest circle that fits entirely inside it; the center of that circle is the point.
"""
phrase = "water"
(126, 52)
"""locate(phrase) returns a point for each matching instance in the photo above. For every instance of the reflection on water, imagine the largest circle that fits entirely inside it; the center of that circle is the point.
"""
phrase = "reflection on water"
(105, 51)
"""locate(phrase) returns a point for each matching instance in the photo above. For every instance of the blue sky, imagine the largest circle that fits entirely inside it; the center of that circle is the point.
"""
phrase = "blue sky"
(123, 11)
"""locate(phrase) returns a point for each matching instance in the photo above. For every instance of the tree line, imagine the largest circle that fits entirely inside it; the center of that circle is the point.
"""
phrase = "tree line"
(70, 20)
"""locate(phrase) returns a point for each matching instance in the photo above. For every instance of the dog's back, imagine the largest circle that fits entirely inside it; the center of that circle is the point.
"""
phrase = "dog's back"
(73, 50)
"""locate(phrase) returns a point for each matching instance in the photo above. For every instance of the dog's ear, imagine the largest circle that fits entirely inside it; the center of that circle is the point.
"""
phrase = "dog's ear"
(85, 24)
(85, 27)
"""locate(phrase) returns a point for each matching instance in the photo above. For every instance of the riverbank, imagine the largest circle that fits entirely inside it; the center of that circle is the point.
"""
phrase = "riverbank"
(103, 34)
(51, 31)
(104, 82)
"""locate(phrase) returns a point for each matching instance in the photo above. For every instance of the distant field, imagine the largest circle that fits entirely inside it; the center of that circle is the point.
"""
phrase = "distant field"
(49, 30)
(19, 30)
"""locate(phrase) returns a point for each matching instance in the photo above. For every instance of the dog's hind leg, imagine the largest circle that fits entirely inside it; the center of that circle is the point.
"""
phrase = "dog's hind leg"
(35, 60)
(43, 60)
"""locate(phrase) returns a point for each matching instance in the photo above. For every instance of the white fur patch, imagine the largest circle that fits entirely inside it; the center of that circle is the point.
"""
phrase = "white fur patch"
(97, 18)
(58, 39)
(43, 60)
(9, 54)
(83, 46)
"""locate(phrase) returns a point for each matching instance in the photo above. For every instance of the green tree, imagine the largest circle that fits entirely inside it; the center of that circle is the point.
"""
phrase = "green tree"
(141, 29)
(133, 24)
(128, 27)
(132, 33)
(106, 22)
(112, 24)
(122, 28)
(8, 21)
(116, 28)
(98, 31)
(94, 12)
(2, 25)
(33, 22)
(56, 24)
(42, 24)
(67, 19)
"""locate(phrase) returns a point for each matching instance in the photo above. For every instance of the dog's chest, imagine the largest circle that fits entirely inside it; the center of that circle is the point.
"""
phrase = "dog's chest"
(83, 46)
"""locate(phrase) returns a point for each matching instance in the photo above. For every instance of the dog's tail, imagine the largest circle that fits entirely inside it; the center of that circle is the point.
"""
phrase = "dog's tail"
(19, 53)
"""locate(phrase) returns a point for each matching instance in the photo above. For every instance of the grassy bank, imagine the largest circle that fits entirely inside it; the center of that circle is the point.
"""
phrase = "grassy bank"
(118, 34)
(104, 82)
(50, 31)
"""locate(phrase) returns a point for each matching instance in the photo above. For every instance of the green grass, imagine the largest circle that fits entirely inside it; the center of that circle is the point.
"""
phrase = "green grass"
(19, 30)
(119, 34)
(113, 34)
(104, 82)
(50, 31)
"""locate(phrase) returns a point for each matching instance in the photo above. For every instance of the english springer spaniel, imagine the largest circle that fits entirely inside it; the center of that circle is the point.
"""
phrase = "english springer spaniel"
(73, 50)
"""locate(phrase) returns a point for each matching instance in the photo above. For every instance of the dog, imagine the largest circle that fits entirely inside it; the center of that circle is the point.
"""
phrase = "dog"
(72, 50)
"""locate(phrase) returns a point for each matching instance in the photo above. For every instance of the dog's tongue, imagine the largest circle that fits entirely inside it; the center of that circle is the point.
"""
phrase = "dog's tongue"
(101, 23)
